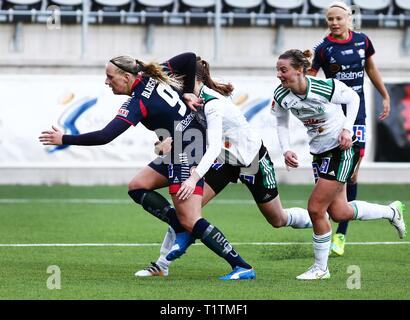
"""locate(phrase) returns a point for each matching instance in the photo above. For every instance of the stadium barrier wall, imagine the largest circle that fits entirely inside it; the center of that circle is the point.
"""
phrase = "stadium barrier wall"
(79, 104)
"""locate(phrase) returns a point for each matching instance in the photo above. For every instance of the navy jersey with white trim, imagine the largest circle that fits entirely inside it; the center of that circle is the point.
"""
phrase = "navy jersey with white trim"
(160, 108)
(345, 60)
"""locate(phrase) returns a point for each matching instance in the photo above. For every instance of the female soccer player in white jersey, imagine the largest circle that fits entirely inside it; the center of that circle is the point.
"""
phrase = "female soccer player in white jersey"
(240, 154)
(335, 150)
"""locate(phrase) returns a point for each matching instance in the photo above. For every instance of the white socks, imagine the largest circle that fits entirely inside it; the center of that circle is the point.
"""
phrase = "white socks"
(166, 246)
(298, 218)
(321, 248)
(370, 211)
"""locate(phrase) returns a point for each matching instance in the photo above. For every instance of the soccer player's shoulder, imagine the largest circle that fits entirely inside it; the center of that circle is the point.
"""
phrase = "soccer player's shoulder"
(359, 36)
(320, 44)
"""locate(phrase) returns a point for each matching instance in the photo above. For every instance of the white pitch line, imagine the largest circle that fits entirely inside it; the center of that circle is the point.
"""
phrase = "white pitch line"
(119, 201)
(158, 244)
(126, 201)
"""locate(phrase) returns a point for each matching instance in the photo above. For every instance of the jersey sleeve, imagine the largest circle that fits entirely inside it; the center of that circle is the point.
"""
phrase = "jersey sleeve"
(346, 95)
(184, 64)
(111, 131)
(132, 111)
(369, 47)
(318, 59)
(282, 125)
(214, 118)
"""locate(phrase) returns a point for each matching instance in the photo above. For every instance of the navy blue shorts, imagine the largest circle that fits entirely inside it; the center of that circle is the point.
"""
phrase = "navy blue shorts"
(176, 174)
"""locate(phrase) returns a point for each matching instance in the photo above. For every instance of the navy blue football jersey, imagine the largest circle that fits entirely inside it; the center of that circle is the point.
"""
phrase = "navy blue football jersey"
(345, 60)
(160, 108)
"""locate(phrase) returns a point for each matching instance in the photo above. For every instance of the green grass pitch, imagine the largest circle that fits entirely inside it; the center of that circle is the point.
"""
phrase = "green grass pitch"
(106, 216)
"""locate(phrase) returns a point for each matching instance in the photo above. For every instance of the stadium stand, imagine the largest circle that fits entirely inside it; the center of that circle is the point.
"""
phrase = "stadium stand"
(401, 7)
(154, 11)
(242, 12)
(373, 7)
(15, 9)
(110, 11)
(318, 6)
(284, 12)
(279, 6)
(66, 6)
(197, 11)
(373, 12)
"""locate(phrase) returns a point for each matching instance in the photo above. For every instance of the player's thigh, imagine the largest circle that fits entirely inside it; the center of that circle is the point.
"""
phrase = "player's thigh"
(209, 194)
(323, 194)
(355, 174)
(340, 209)
(188, 211)
(217, 178)
(273, 212)
(148, 178)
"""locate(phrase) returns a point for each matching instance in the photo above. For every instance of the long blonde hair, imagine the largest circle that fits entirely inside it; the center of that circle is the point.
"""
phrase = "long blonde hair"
(127, 64)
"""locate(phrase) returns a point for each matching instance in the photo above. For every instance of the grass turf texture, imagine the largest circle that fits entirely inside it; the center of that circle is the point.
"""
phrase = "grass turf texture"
(91, 272)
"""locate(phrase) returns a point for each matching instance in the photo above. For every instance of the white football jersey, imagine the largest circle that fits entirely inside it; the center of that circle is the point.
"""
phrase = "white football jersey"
(240, 143)
(319, 110)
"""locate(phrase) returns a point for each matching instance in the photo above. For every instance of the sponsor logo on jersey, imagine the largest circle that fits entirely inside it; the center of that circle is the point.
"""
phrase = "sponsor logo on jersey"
(361, 53)
(334, 68)
(185, 123)
(349, 75)
(360, 132)
(123, 112)
(346, 52)
(357, 88)
(332, 60)
(357, 44)
(324, 167)
(289, 105)
(309, 122)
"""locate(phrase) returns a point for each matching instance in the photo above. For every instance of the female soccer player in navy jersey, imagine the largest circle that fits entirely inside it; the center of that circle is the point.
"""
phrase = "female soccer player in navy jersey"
(345, 55)
(154, 102)
(317, 104)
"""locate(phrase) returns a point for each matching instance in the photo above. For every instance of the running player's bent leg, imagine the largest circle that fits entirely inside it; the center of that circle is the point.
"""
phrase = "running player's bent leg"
(297, 218)
(152, 177)
(189, 210)
(158, 206)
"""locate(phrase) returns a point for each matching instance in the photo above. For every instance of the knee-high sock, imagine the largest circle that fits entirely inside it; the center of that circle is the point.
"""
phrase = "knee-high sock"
(321, 247)
(351, 196)
(166, 246)
(370, 211)
(298, 218)
(215, 240)
(158, 206)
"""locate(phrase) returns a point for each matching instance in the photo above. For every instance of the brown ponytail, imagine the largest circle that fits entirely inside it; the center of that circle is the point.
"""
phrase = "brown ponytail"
(298, 58)
(203, 75)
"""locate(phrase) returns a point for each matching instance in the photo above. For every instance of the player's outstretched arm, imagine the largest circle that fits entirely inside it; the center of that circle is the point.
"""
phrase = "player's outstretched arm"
(51, 137)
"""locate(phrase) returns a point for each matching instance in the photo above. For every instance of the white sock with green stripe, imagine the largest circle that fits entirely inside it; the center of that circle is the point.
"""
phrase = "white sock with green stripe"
(298, 218)
(321, 248)
(370, 211)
